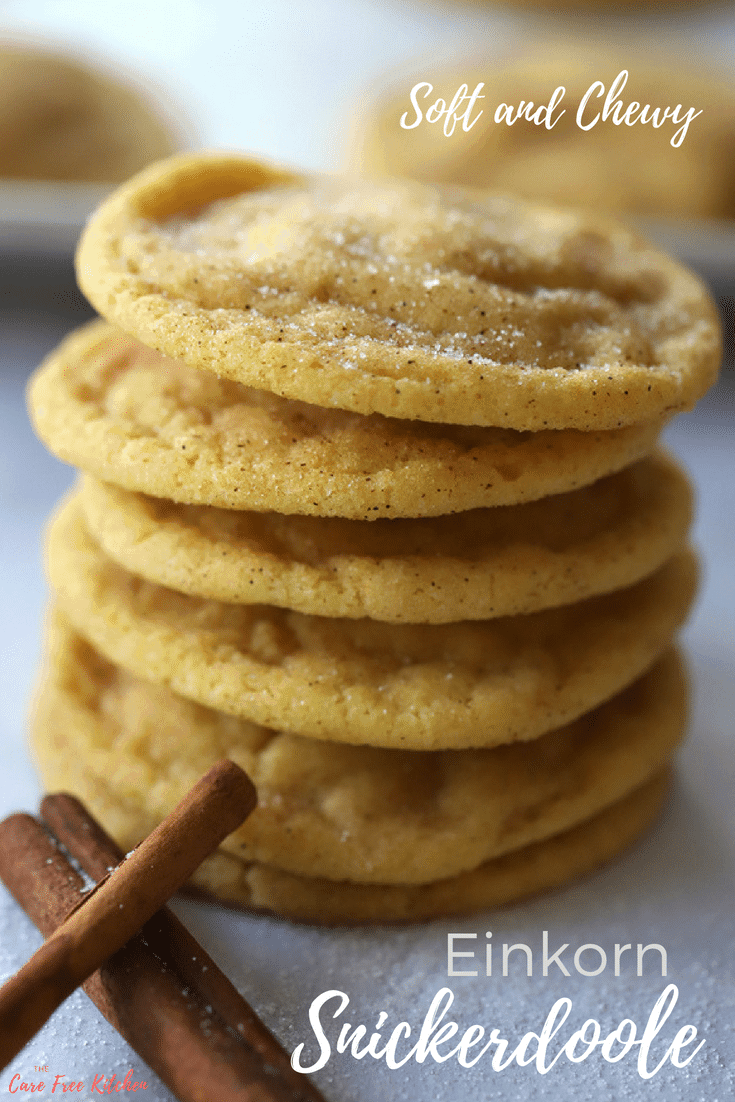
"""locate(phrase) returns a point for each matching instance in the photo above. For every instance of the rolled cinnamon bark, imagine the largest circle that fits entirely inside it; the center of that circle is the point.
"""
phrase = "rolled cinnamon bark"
(190, 1025)
(238, 1030)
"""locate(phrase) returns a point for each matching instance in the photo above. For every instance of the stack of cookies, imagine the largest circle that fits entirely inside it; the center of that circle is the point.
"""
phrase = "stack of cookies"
(371, 504)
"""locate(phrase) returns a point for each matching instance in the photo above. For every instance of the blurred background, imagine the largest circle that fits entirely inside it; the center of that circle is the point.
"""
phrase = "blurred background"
(90, 91)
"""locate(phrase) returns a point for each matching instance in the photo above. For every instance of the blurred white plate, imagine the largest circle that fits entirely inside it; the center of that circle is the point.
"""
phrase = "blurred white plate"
(37, 216)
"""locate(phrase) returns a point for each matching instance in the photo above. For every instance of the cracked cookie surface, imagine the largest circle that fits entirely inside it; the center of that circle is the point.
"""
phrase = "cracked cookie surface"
(410, 300)
(106, 403)
(131, 750)
(422, 687)
(473, 565)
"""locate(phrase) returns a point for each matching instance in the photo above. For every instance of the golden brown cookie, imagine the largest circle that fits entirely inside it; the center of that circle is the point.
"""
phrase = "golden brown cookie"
(62, 119)
(535, 868)
(420, 687)
(106, 403)
(400, 298)
(474, 565)
(608, 167)
(131, 750)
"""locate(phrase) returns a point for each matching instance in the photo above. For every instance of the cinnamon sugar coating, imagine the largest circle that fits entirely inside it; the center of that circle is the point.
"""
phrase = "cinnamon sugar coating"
(113, 407)
(473, 565)
(411, 300)
(129, 749)
(407, 686)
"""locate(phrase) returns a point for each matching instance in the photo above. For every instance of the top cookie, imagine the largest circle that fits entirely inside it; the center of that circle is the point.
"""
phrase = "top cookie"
(400, 298)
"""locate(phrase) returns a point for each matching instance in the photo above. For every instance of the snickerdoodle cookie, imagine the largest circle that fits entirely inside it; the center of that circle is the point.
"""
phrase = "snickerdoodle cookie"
(523, 872)
(408, 686)
(473, 565)
(131, 749)
(62, 118)
(400, 298)
(113, 407)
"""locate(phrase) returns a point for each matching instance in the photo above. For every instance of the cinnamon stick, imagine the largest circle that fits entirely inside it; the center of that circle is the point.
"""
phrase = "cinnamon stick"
(241, 1046)
(116, 909)
(189, 1024)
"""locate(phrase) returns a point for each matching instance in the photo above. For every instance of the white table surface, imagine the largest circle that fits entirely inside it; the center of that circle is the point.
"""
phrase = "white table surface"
(281, 78)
